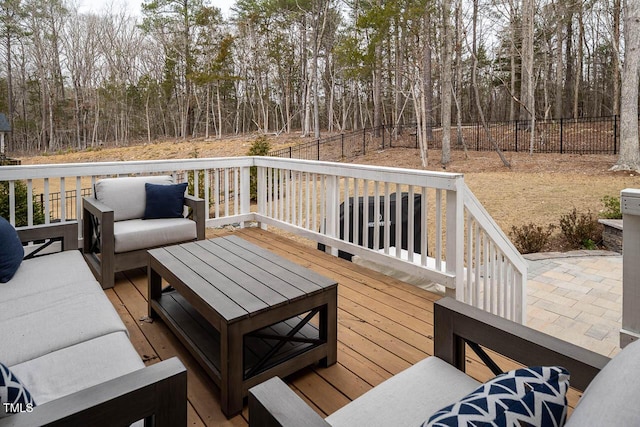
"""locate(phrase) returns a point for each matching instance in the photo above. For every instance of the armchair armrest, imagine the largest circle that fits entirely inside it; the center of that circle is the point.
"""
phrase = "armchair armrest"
(98, 239)
(198, 213)
(67, 232)
(455, 322)
(158, 391)
(274, 404)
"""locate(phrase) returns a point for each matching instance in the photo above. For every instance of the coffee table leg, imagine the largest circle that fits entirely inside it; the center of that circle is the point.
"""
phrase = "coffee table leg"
(154, 288)
(232, 357)
(329, 328)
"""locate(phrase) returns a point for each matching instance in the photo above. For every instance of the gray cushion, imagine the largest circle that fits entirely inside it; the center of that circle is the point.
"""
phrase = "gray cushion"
(56, 326)
(408, 398)
(611, 398)
(77, 367)
(66, 269)
(126, 196)
(141, 234)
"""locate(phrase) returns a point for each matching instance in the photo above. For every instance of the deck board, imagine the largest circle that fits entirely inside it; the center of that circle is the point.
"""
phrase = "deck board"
(384, 326)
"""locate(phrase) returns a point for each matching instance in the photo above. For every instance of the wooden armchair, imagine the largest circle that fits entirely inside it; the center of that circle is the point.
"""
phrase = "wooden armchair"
(116, 237)
(457, 327)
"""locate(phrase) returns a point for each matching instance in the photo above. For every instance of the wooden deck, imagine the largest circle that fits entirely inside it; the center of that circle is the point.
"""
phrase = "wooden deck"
(384, 326)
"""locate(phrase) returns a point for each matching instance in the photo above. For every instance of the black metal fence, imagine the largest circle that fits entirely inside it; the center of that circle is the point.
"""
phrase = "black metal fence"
(591, 135)
(55, 203)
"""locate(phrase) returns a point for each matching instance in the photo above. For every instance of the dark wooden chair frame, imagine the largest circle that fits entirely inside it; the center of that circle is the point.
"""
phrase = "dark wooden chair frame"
(157, 393)
(99, 245)
(456, 324)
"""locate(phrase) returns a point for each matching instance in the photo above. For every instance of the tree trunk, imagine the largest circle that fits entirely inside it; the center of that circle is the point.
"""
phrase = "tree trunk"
(578, 76)
(629, 158)
(558, 110)
(616, 57)
(446, 83)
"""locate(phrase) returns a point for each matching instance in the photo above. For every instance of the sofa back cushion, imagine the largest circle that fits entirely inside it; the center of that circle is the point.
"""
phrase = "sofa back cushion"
(611, 398)
(126, 196)
(11, 251)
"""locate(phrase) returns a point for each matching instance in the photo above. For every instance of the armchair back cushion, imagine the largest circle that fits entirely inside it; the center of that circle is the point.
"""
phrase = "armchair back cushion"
(127, 196)
(611, 398)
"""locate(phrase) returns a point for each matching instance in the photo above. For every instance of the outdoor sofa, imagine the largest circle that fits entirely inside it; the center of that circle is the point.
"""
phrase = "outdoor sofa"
(130, 215)
(63, 343)
(438, 387)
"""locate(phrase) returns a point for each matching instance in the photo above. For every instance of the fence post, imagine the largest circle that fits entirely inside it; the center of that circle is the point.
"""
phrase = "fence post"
(561, 134)
(291, 152)
(318, 144)
(364, 141)
(615, 134)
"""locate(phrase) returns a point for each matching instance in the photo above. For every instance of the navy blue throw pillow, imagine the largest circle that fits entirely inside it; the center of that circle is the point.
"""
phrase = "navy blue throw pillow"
(534, 396)
(164, 201)
(14, 396)
(11, 251)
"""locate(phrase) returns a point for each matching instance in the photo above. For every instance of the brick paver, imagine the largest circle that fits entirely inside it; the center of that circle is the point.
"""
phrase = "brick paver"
(578, 297)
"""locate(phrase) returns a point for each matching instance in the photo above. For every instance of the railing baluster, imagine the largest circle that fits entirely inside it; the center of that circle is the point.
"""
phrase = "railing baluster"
(47, 208)
(398, 230)
(30, 202)
(376, 215)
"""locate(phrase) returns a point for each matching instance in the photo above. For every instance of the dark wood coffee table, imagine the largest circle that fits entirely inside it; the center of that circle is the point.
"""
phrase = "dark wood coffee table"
(245, 313)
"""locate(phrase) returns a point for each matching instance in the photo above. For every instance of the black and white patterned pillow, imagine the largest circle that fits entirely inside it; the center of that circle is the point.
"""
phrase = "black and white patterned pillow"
(14, 396)
(528, 396)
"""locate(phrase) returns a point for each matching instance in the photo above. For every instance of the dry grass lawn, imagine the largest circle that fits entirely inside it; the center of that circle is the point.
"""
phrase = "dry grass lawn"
(535, 189)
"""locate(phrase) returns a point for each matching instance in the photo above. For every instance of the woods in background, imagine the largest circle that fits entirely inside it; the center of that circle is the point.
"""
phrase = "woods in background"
(182, 70)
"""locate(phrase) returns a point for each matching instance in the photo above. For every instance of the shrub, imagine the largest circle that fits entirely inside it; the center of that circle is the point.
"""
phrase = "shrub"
(259, 147)
(581, 231)
(21, 204)
(611, 208)
(531, 238)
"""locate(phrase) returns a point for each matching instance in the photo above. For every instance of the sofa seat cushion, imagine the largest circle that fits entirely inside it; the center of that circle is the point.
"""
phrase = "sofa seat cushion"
(610, 399)
(148, 233)
(53, 327)
(50, 272)
(77, 367)
(408, 398)
(127, 195)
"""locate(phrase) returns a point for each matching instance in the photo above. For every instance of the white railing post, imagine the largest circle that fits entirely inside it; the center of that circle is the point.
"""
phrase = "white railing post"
(245, 192)
(331, 212)
(630, 207)
(262, 190)
(455, 237)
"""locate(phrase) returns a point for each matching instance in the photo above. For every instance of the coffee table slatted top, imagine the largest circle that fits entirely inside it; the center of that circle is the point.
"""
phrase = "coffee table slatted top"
(242, 278)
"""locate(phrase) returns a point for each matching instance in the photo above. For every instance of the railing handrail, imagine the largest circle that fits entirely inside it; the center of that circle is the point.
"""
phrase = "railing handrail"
(60, 170)
(441, 180)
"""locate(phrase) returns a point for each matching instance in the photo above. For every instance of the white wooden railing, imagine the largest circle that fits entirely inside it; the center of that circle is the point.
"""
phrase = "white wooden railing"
(455, 241)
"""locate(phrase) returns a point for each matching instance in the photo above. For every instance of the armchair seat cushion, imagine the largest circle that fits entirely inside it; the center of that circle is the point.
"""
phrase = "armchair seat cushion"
(137, 234)
(414, 394)
(77, 367)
